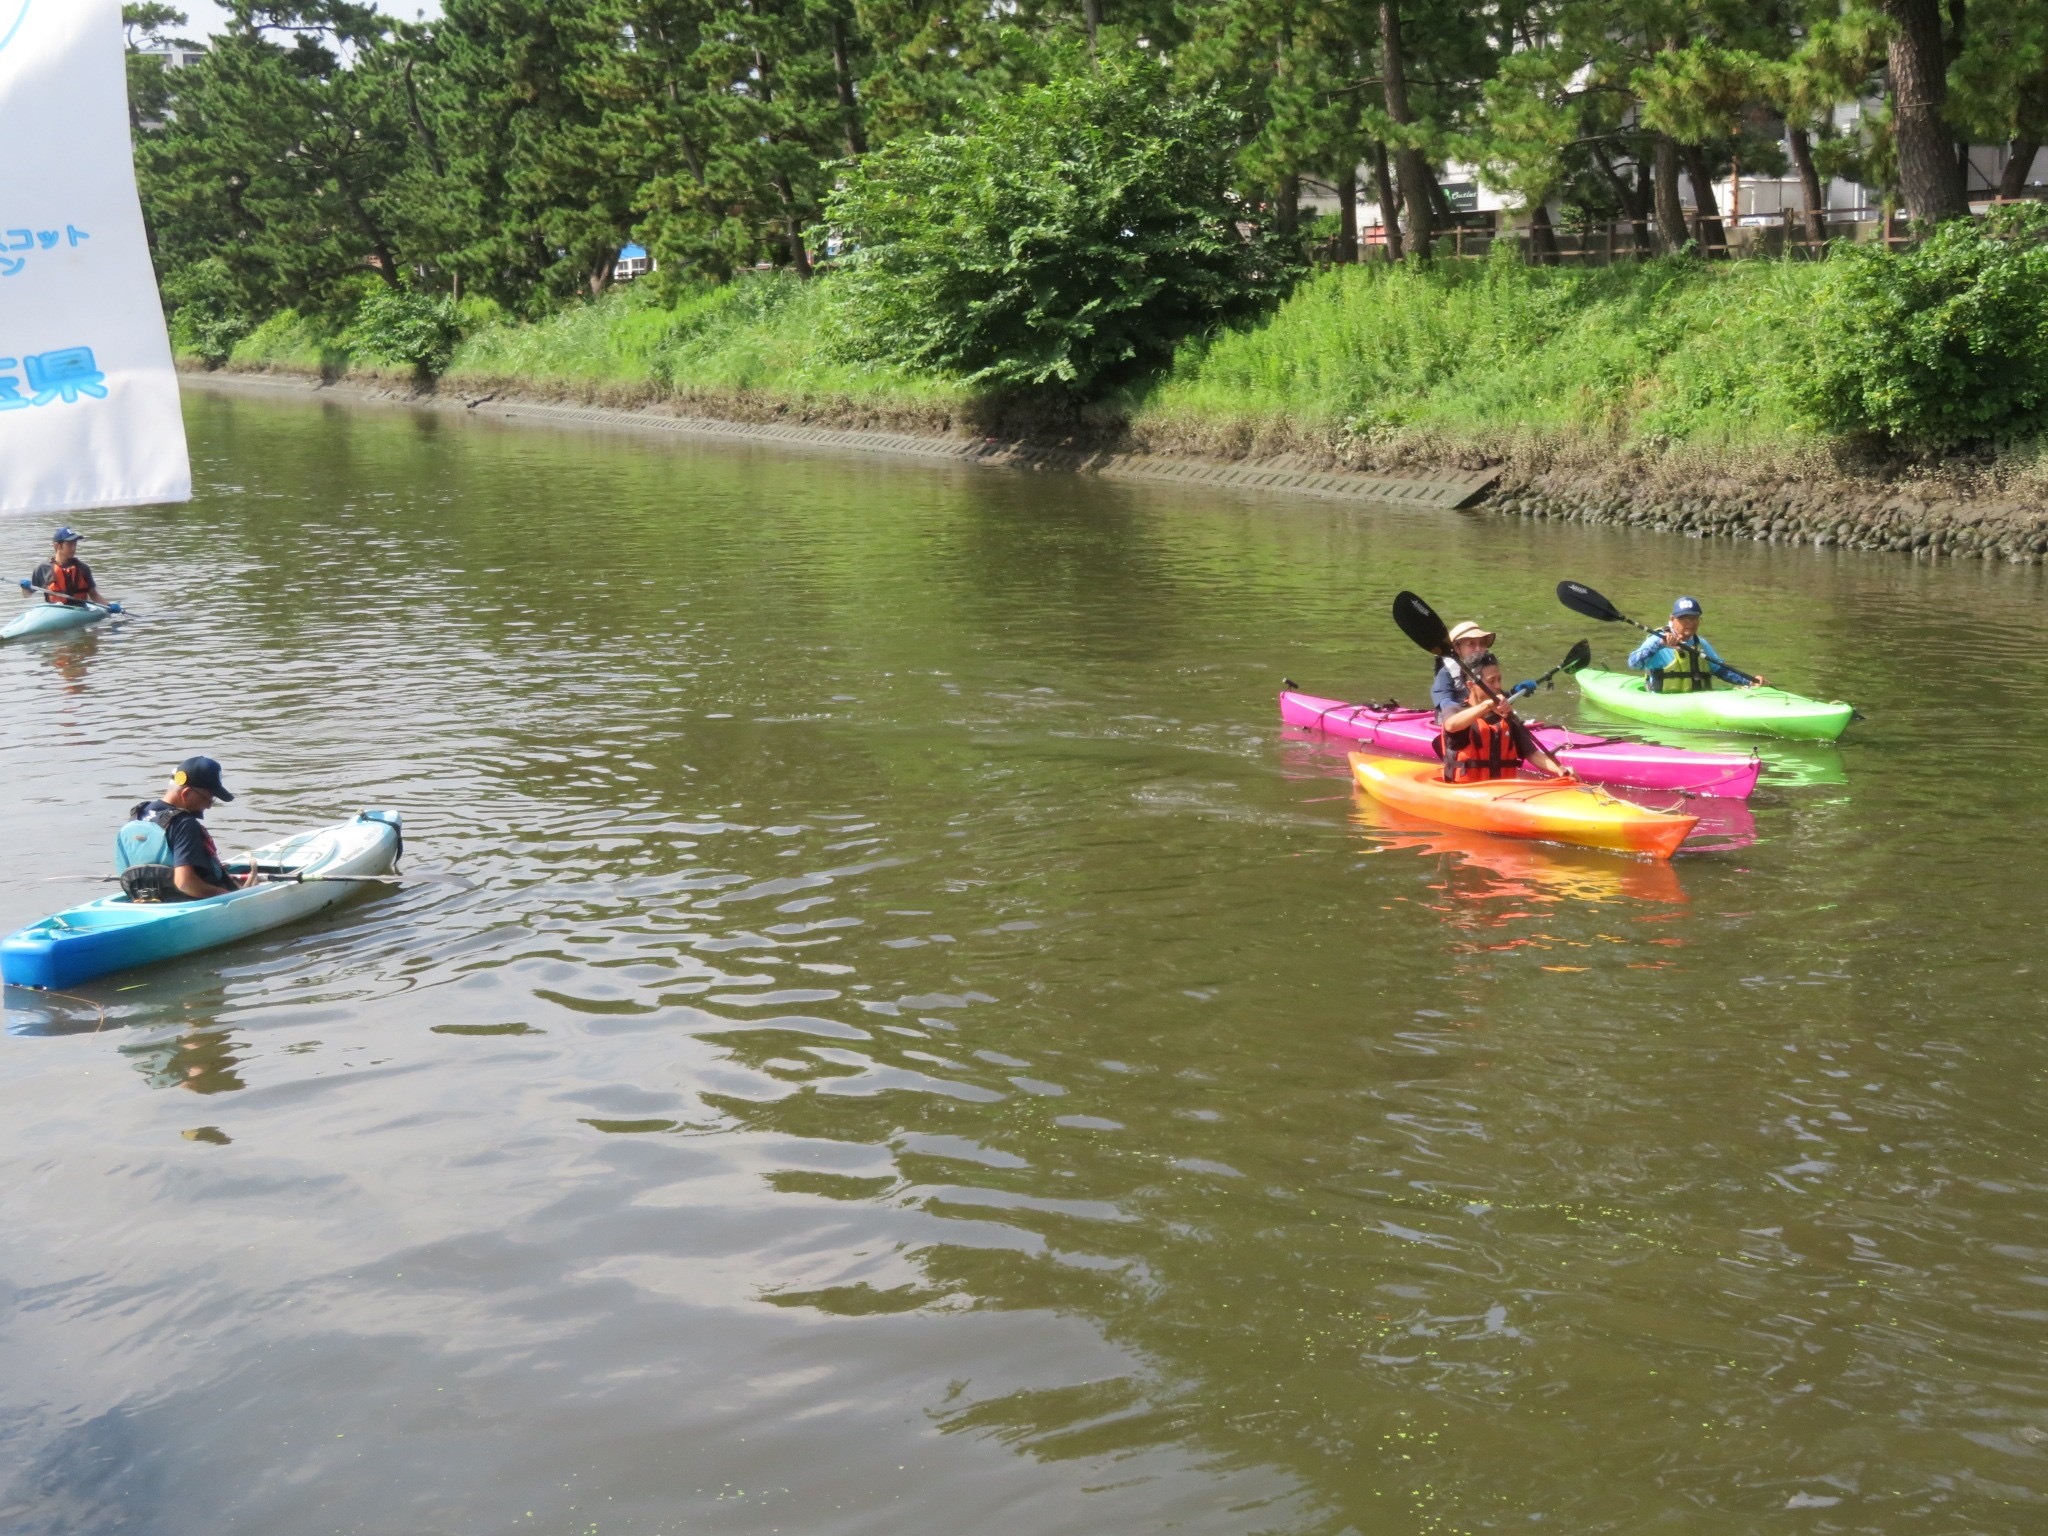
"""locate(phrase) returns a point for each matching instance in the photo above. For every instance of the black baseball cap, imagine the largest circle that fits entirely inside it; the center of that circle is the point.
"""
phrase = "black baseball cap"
(202, 773)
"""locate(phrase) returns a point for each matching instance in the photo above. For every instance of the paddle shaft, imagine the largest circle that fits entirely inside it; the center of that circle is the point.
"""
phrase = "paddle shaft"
(270, 877)
(278, 874)
(1577, 657)
(68, 601)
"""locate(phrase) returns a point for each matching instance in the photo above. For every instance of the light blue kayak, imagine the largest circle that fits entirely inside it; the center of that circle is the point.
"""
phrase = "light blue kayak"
(49, 619)
(116, 934)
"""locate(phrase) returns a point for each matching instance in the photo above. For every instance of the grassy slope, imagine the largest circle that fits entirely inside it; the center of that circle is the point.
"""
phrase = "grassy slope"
(1667, 352)
(759, 338)
(1671, 353)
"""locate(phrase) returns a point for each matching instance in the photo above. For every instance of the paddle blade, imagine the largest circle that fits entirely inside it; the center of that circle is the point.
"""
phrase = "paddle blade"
(1582, 599)
(1580, 655)
(1419, 622)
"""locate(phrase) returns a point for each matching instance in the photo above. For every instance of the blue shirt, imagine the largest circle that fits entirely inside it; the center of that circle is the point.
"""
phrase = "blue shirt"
(1656, 654)
(1446, 693)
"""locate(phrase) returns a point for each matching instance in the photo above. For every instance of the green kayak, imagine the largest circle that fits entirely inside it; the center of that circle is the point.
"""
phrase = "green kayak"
(1753, 711)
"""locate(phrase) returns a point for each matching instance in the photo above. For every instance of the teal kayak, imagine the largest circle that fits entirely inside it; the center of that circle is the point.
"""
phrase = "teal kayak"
(116, 934)
(49, 619)
(1753, 711)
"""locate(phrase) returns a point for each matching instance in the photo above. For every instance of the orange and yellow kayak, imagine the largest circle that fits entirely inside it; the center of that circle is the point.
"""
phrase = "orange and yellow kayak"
(1549, 810)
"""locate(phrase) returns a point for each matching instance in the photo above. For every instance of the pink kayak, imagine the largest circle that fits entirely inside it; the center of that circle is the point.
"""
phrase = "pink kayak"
(1595, 759)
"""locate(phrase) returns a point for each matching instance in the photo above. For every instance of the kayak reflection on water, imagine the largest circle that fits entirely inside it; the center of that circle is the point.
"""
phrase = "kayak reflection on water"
(1491, 877)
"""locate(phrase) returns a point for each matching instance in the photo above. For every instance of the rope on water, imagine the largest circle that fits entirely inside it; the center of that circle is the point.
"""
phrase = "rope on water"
(99, 1008)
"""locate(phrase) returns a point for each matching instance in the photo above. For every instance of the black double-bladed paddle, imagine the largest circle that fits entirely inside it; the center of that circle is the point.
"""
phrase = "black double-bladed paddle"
(280, 876)
(1580, 655)
(1422, 624)
(1582, 599)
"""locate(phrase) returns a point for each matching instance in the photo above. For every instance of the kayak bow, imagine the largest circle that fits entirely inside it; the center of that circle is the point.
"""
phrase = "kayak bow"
(1753, 711)
(50, 619)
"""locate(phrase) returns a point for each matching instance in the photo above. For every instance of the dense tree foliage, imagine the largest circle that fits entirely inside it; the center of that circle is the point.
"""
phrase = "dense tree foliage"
(1943, 344)
(1070, 235)
(505, 150)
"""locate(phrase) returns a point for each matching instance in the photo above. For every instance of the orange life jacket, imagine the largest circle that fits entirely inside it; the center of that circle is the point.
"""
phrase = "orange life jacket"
(67, 581)
(1486, 749)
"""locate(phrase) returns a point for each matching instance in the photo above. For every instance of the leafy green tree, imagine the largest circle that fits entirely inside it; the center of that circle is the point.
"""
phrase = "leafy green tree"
(277, 154)
(1065, 240)
(546, 192)
(416, 330)
(1942, 344)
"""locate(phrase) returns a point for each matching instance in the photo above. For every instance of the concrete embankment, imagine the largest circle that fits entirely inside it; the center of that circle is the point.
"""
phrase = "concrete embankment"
(1929, 516)
(1989, 512)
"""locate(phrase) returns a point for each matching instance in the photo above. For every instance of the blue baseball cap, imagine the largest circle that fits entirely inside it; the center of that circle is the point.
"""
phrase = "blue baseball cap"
(66, 535)
(1686, 608)
(202, 773)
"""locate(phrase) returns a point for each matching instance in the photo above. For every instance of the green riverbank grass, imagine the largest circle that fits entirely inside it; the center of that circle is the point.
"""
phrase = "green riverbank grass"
(1664, 355)
(1659, 354)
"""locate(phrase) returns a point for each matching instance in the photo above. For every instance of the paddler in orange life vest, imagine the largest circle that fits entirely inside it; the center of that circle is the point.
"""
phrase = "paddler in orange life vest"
(1483, 739)
(64, 578)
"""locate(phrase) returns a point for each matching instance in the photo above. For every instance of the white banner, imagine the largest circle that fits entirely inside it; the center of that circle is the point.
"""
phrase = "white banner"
(88, 395)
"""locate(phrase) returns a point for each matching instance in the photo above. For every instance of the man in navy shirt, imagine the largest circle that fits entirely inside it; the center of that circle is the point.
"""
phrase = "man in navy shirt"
(195, 862)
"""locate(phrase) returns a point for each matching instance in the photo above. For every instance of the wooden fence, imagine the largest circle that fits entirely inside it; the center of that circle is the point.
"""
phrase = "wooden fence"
(1476, 234)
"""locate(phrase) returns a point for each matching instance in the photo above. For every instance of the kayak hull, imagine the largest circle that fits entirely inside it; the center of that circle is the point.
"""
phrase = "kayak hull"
(50, 619)
(113, 934)
(1595, 759)
(1751, 711)
(1546, 810)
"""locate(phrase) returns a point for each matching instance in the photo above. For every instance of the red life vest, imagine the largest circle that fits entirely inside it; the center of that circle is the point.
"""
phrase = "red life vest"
(1486, 749)
(67, 581)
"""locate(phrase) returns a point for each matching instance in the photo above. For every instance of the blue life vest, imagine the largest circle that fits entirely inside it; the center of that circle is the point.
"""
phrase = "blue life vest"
(146, 839)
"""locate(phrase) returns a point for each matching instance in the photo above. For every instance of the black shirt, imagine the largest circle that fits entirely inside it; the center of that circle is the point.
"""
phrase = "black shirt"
(191, 845)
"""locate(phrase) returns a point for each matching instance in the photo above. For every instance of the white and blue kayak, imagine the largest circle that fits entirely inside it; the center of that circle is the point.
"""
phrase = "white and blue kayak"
(50, 619)
(117, 934)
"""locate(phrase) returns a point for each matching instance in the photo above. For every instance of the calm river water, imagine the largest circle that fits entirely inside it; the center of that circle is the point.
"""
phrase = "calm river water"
(922, 1051)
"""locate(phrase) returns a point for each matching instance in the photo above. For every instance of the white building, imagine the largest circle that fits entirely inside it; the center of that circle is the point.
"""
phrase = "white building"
(175, 55)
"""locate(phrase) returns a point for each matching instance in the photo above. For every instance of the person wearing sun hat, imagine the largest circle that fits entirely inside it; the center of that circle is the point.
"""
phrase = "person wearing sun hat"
(165, 853)
(1469, 642)
(1679, 659)
(64, 578)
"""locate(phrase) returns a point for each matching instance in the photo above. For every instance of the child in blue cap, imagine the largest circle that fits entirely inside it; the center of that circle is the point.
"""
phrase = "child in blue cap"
(1679, 659)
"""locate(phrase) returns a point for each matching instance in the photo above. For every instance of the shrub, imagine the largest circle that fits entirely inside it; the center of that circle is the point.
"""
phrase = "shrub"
(1068, 238)
(209, 311)
(396, 325)
(1943, 344)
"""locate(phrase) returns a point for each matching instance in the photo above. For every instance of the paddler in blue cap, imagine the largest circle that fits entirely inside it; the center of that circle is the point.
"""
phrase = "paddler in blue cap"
(165, 853)
(64, 578)
(1679, 659)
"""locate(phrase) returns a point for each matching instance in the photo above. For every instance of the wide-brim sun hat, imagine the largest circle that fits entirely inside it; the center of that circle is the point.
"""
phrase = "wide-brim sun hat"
(1471, 631)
